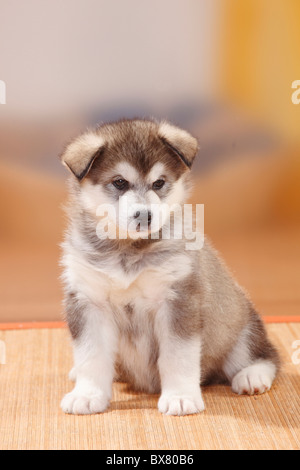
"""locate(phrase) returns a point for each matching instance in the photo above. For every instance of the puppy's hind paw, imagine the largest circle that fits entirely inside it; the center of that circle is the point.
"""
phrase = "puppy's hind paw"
(254, 379)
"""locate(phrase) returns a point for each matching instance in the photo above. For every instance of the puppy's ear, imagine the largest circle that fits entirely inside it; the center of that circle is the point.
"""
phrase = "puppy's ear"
(179, 141)
(81, 153)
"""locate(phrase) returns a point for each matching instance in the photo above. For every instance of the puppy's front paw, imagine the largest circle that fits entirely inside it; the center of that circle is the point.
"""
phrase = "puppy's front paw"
(80, 404)
(180, 405)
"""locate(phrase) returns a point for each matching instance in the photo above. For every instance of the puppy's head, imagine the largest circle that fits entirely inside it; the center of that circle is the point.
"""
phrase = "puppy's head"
(131, 169)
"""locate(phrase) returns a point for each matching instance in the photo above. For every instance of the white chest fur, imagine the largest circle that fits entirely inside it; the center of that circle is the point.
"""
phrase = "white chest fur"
(111, 283)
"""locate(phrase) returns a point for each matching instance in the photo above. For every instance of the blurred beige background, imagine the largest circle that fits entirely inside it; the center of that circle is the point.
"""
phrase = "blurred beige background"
(222, 69)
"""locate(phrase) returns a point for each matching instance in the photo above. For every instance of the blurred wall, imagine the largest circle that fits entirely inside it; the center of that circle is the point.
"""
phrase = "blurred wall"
(64, 55)
(223, 69)
(259, 62)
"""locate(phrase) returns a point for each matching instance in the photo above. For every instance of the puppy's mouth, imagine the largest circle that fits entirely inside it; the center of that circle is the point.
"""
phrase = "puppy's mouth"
(146, 228)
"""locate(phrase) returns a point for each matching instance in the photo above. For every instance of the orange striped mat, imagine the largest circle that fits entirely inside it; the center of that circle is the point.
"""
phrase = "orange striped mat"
(34, 379)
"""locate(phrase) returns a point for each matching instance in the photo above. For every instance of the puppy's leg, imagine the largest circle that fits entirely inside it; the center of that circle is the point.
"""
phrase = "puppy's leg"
(72, 374)
(94, 351)
(253, 362)
(179, 368)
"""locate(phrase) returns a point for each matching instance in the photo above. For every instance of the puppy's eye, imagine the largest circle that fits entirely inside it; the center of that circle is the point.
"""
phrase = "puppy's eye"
(120, 184)
(158, 184)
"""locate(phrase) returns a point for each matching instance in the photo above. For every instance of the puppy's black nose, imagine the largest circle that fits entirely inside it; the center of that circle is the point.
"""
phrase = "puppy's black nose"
(144, 216)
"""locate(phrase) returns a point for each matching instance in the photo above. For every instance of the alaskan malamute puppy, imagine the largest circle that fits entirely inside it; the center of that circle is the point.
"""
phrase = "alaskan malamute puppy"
(142, 308)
